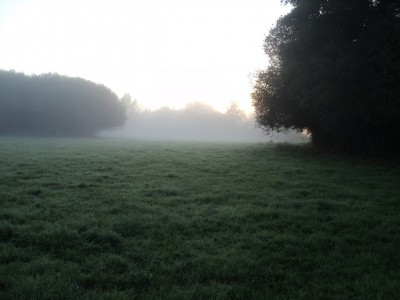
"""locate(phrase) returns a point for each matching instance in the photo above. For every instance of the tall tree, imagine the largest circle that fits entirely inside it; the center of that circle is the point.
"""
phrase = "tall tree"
(334, 70)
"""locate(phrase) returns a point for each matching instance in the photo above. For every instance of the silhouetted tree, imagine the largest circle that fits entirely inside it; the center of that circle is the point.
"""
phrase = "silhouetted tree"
(54, 105)
(334, 70)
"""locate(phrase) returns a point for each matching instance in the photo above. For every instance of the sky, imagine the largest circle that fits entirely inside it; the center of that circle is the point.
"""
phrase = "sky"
(161, 52)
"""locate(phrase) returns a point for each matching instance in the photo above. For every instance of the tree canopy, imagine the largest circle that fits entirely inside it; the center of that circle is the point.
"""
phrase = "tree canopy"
(55, 105)
(334, 70)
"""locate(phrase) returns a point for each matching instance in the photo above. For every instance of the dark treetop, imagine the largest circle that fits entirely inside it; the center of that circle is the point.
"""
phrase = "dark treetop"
(335, 70)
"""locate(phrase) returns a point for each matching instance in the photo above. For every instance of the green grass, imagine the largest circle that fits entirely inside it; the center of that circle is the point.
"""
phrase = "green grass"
(108, 219)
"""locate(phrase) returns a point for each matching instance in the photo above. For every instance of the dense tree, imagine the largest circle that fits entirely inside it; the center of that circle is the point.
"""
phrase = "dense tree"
(334, 70)
(54, 105)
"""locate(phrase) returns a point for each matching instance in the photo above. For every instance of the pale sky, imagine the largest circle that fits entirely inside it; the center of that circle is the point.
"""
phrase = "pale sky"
(162, 52)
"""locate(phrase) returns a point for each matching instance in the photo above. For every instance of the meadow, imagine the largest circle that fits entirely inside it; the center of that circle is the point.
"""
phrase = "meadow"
(114, 219)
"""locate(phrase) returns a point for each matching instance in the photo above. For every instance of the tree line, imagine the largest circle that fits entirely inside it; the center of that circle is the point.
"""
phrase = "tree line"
(55, 105)
(334, 70)
(195, 122)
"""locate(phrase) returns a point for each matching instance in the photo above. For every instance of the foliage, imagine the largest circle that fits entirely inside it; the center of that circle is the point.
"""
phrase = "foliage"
(334, 70)
(54, 105)
(194, 221)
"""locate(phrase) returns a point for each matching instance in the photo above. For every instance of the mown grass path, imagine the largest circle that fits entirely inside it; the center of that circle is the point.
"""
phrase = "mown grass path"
(111, 219)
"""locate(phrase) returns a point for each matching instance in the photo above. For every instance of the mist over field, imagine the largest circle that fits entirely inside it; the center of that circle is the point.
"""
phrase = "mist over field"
(196, 122)
(52, 105)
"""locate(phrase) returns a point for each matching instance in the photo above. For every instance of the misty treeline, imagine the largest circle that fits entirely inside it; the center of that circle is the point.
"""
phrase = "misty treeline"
(55, 105)
(335, 70)
(195, 122)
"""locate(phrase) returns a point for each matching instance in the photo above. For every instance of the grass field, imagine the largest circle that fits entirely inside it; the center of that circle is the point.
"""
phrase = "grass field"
(111, 219)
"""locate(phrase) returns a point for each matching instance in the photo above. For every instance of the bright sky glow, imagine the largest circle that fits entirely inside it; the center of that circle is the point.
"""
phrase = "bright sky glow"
(162, 52)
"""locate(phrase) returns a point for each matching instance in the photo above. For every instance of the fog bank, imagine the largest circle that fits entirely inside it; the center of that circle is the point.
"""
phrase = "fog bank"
(196, 122)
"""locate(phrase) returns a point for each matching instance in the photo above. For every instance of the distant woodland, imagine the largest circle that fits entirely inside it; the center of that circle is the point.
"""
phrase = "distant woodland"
(55, 105)
(195, 122)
